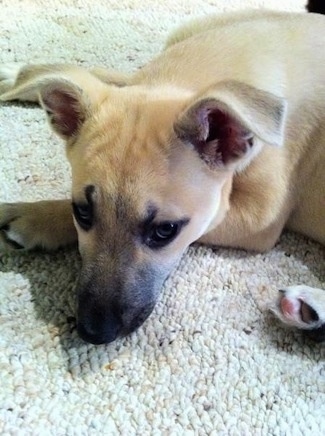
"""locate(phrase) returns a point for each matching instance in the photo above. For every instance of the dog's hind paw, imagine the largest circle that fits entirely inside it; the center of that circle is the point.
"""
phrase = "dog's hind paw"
(302, 307)
(8, 76)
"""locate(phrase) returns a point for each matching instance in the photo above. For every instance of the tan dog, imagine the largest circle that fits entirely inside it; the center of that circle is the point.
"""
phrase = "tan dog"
(220, 140)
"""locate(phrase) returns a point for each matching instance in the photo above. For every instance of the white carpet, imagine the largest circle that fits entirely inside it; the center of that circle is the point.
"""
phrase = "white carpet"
(210, 359)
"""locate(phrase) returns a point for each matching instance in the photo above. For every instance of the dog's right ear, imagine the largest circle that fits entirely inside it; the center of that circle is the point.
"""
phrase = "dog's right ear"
(228, 124)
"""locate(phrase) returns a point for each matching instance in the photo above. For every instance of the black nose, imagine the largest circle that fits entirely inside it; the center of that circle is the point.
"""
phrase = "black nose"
(98, 328)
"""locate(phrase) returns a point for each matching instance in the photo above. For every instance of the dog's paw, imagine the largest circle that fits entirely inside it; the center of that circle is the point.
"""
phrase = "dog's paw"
(42, 224)
(8, 77)
(26, 226)
(302, 307)
(17, 226)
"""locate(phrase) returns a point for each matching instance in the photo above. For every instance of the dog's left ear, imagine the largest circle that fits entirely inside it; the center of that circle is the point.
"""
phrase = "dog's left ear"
(66, 107)
(229, 120)
(69, 99)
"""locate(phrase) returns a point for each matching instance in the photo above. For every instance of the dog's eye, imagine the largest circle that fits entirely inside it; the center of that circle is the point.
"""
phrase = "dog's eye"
(83, 214)
(161, 234)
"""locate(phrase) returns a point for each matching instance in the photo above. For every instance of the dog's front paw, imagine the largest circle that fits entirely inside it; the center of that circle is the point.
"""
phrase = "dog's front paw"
(17, 226)
(8, 76)
(302, 307)
(44, 224)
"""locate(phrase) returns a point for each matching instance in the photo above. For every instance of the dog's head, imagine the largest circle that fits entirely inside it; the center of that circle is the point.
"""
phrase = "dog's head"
(152, 171)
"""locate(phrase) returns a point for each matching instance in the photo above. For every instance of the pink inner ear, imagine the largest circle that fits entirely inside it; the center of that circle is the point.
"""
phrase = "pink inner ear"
(64, 110)
(225, 139)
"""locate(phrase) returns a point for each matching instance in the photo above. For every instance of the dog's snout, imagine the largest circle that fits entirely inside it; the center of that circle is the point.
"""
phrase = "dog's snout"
(110, 308)
(97, 337)
(98, 327)
(100, 324)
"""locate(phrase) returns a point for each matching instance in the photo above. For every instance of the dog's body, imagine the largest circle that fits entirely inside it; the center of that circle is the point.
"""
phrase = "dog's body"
(220, 140)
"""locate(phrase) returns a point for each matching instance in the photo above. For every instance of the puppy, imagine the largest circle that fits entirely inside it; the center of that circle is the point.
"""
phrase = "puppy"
(219, 140)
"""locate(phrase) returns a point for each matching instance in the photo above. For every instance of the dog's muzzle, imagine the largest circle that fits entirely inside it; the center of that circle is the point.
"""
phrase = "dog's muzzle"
(102, 325)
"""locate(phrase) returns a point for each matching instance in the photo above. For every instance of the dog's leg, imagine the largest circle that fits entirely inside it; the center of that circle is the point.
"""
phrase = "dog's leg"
(261, 241)
(111, 77)
(44, 224)
(302, 307)
(22, 82)
(249, 223)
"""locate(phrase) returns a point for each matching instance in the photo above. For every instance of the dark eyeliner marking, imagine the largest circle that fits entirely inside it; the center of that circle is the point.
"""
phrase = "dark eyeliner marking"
(150, 216)
(89, 190)
(84, 212)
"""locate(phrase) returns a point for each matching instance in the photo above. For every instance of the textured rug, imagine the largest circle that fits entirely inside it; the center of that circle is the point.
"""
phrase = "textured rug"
(210, 360)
